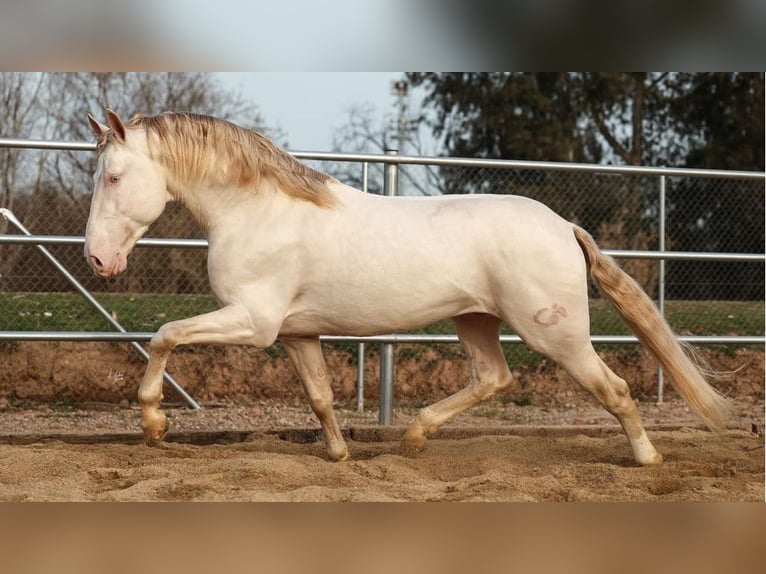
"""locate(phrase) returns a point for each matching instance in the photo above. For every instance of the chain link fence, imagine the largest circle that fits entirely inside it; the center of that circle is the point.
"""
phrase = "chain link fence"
(637, 211)
(621, 211)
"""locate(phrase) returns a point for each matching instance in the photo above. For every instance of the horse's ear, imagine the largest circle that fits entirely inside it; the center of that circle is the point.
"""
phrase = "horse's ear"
(116, 124)
(97, 127)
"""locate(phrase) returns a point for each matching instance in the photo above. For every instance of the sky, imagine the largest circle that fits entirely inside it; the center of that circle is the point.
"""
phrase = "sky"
(309, 106)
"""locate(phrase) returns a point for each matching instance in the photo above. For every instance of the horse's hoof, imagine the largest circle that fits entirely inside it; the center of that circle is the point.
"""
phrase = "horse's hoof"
(154, 436)
(413, 443)
(653, 460)
(154, 423)
(339, 457)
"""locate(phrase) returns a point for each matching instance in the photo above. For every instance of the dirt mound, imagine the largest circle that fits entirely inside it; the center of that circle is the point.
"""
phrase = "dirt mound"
(109, 372)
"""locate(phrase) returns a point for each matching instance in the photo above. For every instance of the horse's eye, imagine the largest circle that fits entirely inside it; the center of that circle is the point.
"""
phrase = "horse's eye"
(114, 179)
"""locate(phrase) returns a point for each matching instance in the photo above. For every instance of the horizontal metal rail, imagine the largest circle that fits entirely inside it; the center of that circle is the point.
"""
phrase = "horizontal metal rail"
(527, 165)
(202, 244)
(685, 255)
(79, 240)
(394, 338)
(47, 144)
(441, 161)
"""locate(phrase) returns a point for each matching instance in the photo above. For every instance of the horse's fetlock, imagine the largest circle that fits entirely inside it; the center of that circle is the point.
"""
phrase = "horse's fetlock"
(148, 397)
(321, 405)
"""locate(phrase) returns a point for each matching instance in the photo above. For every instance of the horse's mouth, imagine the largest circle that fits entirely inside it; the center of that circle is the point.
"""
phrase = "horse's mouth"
(118, 265)
(104, 274)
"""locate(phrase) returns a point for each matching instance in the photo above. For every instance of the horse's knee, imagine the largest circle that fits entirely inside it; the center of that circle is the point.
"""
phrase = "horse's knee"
(166, 338)
(620, 388)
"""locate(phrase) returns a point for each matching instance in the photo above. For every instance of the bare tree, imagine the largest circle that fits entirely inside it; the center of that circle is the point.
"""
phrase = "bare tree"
(18, 106)
(363, 134)
(19, 169)
(133, 92)
(50, 190)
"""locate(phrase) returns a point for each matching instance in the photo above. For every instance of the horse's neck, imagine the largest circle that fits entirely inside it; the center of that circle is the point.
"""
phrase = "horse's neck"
(217, 208)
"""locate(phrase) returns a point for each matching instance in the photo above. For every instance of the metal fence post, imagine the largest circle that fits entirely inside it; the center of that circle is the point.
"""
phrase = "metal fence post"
(661, 291)
(386, 407)
(360, 346)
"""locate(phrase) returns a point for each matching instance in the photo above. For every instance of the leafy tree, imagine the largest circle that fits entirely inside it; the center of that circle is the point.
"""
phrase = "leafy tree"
(722, 114)
(588, 117)
(527, 116)
(643, 118)
(722, 118)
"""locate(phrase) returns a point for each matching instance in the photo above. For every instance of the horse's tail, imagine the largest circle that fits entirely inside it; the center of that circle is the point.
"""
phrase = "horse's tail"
(640, 313)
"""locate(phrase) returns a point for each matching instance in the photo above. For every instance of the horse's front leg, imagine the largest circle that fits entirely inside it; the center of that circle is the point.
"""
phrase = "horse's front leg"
(229, 325)
(153, 420)
(306, 355)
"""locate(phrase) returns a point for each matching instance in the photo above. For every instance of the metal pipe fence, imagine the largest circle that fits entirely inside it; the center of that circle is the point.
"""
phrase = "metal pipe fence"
(11, 218)
(393, 338)
(10, 239)
(476, 175)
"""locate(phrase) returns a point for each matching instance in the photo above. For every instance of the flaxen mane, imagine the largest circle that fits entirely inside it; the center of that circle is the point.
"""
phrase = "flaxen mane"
(196, 147)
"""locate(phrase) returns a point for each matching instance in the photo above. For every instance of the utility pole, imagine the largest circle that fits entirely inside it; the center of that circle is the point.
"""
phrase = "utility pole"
(404, 126)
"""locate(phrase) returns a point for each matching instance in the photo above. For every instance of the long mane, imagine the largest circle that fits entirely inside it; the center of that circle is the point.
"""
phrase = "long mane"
(197, 147)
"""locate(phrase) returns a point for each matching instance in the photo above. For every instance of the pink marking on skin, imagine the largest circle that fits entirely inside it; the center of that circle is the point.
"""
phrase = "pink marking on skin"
(547, 318)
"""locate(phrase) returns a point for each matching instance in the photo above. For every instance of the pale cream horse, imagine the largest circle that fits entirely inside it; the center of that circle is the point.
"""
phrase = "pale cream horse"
(295, 254)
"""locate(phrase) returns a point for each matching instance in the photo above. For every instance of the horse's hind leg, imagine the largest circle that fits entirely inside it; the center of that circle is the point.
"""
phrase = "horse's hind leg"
(566, 340)
(479, 335)
(587, 368)
(306, 355)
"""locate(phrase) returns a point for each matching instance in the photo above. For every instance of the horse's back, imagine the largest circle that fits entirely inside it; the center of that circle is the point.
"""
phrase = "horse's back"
(494, 231)
(516, 217)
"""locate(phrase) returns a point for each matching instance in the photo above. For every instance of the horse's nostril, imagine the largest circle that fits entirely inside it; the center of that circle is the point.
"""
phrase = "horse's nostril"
(96, 262)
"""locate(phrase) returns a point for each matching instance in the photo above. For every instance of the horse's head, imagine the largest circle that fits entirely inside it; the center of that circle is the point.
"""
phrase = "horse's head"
(129, 193)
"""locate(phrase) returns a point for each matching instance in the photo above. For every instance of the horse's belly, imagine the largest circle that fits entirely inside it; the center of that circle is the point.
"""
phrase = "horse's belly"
(374, 317)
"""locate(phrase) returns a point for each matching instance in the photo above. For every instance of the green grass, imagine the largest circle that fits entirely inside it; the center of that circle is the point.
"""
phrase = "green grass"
(685, 317)
(689, 317)
(70, 312)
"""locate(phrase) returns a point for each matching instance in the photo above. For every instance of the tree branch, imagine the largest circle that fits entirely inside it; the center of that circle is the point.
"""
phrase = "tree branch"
(637, 121)
(603, 129)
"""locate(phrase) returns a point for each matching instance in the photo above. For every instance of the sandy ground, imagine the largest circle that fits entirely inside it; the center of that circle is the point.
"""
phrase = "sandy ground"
(264, 467)
(69, 430)
(272, 452)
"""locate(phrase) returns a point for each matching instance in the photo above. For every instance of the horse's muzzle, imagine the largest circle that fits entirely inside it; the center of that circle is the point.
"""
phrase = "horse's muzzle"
(103, 267)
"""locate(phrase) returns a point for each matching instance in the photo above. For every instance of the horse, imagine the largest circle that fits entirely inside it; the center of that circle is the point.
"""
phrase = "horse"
(295, 254)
